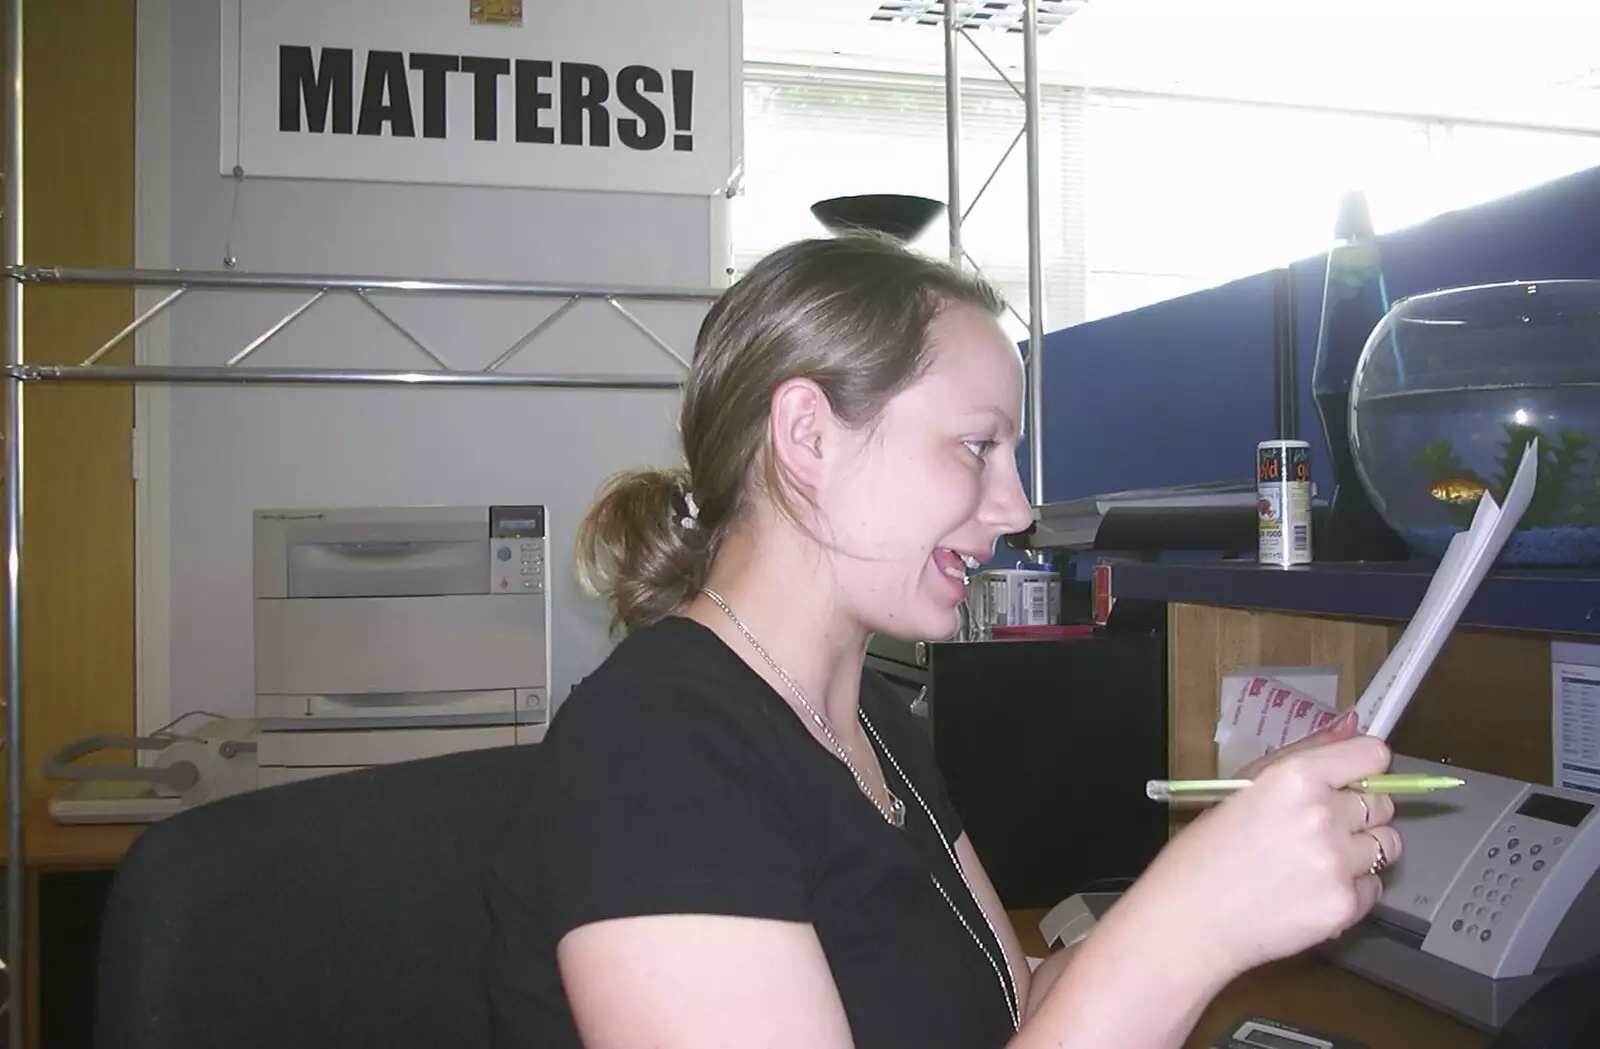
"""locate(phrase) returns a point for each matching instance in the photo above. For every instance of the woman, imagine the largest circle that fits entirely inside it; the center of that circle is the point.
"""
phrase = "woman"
(739, 838)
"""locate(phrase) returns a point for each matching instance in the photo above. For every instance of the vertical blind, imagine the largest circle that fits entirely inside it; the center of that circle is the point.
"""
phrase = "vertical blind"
(1142, 197)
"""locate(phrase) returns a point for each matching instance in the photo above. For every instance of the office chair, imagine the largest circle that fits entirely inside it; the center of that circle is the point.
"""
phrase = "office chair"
(345, 911)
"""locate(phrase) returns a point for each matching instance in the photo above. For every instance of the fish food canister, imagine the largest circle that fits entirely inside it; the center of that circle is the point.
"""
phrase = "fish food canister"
(1283, 503)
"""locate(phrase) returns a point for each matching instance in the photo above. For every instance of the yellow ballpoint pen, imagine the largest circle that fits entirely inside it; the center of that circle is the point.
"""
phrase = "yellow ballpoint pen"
(1393, 783)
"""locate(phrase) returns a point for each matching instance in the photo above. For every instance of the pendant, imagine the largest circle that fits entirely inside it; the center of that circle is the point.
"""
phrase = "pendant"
(897, 809)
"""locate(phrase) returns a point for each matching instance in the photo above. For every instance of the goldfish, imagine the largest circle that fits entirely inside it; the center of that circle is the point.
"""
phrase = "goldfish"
(1458, 490)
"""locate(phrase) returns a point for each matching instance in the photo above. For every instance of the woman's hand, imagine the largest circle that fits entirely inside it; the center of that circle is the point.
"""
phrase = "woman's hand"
(1276, 868)
(1380, 807)
(1284, 864)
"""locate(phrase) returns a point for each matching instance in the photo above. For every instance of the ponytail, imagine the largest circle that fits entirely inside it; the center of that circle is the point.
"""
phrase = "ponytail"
(641, 547)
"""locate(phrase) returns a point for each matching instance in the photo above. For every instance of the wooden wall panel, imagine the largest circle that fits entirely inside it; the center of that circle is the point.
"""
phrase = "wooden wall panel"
(1204, 643)
(78, 156)
(1484, 705)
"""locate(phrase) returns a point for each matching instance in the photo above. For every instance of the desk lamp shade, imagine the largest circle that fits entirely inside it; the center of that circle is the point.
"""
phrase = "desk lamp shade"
(904, 218)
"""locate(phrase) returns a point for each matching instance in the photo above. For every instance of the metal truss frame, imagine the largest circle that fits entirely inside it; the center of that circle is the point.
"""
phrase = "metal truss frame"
(956, 15)
(322, 287)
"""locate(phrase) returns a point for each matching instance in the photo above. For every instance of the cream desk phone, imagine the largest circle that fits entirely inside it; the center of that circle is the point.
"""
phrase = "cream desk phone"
(1495, 895)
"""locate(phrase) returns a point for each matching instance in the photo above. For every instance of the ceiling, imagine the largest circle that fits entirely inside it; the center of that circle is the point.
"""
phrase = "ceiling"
(1528, 61)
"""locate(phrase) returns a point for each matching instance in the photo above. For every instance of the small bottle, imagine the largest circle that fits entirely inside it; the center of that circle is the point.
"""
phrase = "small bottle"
(1354, 300)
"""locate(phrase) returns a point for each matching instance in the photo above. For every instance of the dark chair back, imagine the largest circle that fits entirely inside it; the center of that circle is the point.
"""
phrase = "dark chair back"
(346, 911)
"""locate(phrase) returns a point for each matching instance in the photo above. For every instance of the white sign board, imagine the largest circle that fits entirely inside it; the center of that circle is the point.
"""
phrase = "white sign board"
(621, 95)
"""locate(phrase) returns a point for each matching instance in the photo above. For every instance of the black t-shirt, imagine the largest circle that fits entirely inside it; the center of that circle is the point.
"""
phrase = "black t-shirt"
(675, 780)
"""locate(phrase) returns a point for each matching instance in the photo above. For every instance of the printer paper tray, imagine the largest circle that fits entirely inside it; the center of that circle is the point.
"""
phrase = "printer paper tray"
(382, 746)
(481, 707)
(348, 646)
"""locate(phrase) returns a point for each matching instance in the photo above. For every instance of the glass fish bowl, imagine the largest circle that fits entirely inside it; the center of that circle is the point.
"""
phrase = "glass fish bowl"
(1450, 389)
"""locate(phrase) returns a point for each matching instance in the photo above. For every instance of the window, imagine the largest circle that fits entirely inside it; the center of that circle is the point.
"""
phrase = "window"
(1482, 163)
(1142, 197)
(809, 137)
(1186, 194)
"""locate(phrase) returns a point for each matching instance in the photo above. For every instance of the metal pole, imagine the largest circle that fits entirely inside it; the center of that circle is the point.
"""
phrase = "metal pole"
(203, 376)
(952, 128)
(11, 245)
(1285, 358)
(333, 282)
(1030, 66)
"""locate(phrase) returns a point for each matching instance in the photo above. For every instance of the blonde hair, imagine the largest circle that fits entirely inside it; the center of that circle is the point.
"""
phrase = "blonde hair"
(850, 314)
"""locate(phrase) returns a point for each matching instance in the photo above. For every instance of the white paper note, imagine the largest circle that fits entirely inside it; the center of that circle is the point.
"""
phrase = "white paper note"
(1470, 556)
(1575, 715)
(1263, 714)
(1320, 683)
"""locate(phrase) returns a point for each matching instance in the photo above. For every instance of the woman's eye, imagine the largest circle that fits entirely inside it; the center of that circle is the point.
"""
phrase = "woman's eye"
(979, 448)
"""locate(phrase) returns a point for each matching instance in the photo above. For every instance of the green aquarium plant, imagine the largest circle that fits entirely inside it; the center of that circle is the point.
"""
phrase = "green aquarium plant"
(1567, 471)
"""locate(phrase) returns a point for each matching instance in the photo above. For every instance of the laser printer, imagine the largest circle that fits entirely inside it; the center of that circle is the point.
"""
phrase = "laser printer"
(388, 633)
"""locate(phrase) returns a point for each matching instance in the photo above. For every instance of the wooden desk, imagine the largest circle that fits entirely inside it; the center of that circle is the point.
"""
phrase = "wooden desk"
(64, 852)
(47, 844)
(1310, 992)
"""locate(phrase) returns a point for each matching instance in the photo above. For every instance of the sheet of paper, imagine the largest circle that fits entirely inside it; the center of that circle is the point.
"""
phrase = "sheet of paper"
(1265, 714)
(1470, 556)
(1575, 715)
(1241, 686)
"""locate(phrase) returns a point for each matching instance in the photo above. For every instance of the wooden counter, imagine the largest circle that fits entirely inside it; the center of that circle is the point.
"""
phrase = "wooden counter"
(1309, 992)
(47, 844)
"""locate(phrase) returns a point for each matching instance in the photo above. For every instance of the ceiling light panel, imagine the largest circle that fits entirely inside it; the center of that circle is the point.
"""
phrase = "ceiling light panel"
(990, 16)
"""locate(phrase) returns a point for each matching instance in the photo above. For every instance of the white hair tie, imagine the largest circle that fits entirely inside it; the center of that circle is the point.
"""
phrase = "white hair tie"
(691, 520)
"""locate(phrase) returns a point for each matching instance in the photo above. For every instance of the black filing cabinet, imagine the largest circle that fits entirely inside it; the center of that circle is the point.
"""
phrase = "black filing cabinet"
(1045, 748)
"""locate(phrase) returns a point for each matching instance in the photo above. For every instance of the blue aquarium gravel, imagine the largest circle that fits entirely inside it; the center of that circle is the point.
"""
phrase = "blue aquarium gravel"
(1563, 547)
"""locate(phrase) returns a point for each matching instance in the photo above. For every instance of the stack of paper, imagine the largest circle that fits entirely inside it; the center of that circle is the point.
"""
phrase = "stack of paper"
(1266, 709)
(1465, 563)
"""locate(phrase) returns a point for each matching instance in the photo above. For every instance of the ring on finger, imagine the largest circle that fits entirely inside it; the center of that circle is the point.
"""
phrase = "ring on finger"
(1366, 810)
(1381, 861)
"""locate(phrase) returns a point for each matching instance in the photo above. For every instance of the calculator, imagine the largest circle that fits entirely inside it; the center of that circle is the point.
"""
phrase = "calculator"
(1259, 1032)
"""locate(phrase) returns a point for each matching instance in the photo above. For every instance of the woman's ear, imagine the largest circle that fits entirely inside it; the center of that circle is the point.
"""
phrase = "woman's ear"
(801, 419)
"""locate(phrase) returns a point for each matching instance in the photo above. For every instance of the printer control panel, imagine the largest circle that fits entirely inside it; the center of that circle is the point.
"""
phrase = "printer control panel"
(1541, 842)
(517, 549)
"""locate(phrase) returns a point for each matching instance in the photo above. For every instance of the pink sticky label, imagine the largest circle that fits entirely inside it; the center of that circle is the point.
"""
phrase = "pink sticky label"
(1299, 714)
(1251, 688)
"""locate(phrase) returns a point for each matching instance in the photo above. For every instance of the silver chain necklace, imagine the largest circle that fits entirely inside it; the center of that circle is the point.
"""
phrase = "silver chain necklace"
(1001, 969)
(895, 814)
(895, 810)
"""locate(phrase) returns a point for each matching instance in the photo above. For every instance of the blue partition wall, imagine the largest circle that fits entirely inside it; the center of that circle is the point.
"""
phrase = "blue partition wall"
(1180, 392)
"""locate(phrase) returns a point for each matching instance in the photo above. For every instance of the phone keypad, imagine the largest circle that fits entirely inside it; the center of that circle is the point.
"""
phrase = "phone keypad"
(511, 573)
(1499, 887)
